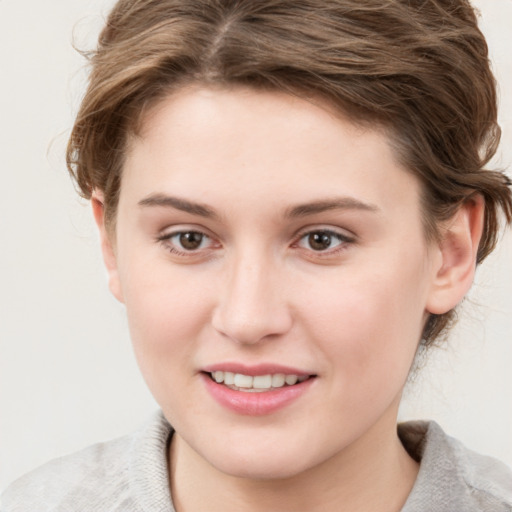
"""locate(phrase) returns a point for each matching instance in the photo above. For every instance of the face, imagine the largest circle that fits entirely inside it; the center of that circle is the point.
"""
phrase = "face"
(269, 244)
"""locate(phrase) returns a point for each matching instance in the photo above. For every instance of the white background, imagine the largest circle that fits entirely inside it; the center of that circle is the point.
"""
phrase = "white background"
(67, 375)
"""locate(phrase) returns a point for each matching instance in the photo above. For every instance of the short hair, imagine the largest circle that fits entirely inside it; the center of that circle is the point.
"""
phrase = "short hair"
(417, 68)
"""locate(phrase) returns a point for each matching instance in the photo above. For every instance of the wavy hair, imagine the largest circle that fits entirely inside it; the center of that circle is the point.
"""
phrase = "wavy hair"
(417, 68)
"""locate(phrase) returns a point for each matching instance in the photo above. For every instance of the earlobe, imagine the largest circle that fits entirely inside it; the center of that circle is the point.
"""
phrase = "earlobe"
(457, 249)
(107, 247)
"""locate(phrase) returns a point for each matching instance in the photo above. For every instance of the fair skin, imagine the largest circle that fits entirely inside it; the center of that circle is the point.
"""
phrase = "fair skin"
(258, 233)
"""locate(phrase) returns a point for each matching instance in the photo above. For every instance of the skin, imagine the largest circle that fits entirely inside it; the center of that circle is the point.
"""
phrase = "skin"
(256, 291)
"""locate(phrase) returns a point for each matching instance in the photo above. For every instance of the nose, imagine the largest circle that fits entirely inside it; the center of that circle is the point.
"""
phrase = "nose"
(252, 305)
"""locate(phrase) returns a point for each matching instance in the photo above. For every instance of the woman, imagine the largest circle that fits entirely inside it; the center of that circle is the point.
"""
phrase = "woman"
(291, 198)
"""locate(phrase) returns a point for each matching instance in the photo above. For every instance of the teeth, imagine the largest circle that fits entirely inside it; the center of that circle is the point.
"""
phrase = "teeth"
(259, 382)
(291, 379)
(262, 382)
(243, 381)
(229, 378)
(278, 380)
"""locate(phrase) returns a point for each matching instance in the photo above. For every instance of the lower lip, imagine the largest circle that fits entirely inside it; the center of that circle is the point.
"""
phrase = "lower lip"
(255, 403)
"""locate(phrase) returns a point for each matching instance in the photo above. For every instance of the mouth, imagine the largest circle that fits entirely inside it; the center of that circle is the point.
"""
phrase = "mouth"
(256, 383)
(256, 390)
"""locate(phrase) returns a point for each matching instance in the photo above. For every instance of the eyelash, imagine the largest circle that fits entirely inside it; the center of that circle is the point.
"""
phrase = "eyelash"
(166, 241)
(343, 239)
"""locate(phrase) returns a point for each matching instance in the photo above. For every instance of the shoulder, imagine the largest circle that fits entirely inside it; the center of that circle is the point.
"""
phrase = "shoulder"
(68, 482)
(486, 477)
(451, 476)
(103, 477)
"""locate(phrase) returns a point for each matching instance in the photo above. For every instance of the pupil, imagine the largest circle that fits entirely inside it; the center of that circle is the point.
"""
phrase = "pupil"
(319, 241)
(191, 240)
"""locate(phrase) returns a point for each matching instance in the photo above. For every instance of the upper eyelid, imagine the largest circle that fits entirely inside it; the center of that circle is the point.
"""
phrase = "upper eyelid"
(342, 232)
(342, 239)
(166, 235)
(346, 239)
(171, 231)
(165, 241)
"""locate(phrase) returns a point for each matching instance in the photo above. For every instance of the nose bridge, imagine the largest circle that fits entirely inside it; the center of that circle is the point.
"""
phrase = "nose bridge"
(251, 303)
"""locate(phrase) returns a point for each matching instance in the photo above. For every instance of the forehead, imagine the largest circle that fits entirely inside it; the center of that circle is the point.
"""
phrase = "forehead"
(265, 146)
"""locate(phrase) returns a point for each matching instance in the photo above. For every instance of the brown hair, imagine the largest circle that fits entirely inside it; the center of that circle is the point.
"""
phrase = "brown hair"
(417, 67)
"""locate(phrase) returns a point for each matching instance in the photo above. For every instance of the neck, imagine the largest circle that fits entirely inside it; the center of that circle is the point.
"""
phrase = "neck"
(375, 473)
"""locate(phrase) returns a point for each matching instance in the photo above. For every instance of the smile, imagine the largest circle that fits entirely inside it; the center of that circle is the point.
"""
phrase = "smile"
(256, 395)
(256, 383)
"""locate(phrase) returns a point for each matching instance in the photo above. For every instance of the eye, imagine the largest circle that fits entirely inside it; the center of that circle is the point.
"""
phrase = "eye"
(323, 240)
(190, 240)
(183, 242)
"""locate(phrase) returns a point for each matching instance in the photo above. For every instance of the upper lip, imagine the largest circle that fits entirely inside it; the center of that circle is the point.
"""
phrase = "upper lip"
(253, 370)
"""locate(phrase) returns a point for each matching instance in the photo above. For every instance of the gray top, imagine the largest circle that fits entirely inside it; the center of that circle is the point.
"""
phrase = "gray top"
(130, 475)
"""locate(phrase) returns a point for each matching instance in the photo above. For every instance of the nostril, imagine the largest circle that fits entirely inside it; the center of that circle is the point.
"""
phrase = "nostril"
(251, 329)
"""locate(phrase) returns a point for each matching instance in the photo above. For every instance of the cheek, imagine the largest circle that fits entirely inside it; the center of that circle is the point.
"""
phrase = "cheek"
(369, 352)
(166, 314)
(369, 322)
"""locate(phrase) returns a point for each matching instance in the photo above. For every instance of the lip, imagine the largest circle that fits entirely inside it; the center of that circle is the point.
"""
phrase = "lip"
(259, 403)
(253, 370)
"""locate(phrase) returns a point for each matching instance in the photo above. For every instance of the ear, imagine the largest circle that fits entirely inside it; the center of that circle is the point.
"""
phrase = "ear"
(107, 245)
(457, 249)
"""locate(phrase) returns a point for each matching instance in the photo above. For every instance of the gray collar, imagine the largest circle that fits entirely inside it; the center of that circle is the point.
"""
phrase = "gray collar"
(451, 477)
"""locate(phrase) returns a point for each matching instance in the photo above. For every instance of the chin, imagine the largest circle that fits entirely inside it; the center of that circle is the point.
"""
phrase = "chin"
(260, 468)
(261, 460)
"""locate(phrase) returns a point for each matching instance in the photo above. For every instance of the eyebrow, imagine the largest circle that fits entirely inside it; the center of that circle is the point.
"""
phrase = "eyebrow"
(336, 203)
(179, 204)
(300, 210)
